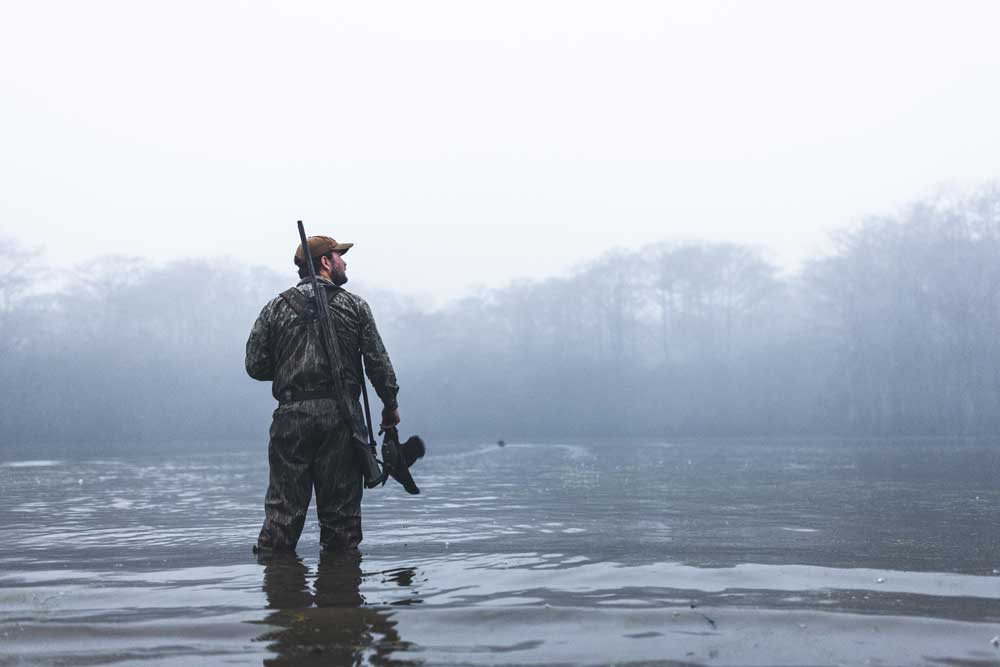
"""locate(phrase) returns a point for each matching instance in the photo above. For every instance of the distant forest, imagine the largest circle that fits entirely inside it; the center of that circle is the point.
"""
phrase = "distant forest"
(893, 331)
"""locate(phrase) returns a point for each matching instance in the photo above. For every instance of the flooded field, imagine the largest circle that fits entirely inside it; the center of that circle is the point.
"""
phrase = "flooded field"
(654, 553)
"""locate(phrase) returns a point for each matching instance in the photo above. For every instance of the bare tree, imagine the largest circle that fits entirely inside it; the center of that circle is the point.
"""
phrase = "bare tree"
(19, 270)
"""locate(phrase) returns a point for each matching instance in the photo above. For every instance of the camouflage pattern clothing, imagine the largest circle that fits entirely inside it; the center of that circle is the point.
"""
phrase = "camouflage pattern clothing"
(311, 445)
(294, 360)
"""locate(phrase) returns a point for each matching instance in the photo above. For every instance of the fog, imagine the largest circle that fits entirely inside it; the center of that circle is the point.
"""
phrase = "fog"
(892, 332)
(500, 141)
(571, 218)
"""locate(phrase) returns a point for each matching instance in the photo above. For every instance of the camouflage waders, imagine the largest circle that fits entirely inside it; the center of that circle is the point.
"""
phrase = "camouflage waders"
(309, 447)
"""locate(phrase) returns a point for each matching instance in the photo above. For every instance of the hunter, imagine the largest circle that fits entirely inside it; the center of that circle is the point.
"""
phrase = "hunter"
(311, 442)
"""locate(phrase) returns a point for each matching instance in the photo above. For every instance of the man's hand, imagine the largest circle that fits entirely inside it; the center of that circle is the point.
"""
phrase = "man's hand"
(390, 418)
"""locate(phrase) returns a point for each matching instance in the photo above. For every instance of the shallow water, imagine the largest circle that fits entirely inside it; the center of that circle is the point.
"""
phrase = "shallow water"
(734, 552)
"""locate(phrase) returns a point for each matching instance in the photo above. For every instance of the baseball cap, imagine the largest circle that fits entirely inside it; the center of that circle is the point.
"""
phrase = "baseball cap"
(319, 246)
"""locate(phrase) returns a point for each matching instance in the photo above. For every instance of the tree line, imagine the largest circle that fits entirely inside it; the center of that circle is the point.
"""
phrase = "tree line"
(892, 331)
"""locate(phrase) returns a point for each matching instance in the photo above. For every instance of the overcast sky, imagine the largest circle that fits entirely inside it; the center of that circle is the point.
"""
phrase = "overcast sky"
(470, 143)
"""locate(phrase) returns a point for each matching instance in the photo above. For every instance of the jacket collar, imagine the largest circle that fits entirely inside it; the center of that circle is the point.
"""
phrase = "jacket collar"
(320, 279)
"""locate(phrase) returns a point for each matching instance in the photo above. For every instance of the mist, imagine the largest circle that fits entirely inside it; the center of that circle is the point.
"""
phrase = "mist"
(891, 332)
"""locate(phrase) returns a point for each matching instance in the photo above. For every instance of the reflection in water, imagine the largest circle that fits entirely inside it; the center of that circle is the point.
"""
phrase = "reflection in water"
(328, 624)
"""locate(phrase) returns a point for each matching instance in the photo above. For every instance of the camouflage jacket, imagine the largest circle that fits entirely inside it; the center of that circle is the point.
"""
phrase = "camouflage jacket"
(289, 352)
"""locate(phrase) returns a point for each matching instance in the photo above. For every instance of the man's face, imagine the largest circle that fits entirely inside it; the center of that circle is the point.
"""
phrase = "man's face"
(337, 268)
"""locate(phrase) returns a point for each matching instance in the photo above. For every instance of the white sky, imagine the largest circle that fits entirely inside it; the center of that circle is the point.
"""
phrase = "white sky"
(470, 143)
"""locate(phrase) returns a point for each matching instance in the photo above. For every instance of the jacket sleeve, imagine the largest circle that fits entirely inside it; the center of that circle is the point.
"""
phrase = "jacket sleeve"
(377, 364)
(259, 359)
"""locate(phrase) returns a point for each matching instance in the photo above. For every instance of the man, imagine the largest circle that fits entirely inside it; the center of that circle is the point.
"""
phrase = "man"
(311, 444)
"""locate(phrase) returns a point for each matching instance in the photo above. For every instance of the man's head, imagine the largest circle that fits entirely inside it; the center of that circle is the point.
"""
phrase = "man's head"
(327, 257)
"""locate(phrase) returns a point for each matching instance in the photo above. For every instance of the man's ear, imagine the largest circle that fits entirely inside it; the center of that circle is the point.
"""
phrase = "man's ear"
(326, 263)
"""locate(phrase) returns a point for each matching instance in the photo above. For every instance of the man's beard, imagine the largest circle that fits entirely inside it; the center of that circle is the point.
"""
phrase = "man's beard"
(338, 278)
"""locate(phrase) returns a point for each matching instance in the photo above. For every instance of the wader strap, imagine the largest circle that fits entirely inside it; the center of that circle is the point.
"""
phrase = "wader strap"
(298, 302)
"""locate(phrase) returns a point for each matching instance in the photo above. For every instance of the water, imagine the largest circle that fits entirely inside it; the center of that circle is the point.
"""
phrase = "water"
(654, 553)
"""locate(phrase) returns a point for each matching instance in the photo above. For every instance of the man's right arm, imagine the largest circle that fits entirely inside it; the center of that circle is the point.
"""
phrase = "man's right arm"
(259, 359)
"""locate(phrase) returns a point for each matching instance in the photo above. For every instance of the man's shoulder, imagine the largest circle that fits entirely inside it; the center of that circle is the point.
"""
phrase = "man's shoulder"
(305, 291)
(270, 305)
(277, 304)
(352, 297)
(305, 288)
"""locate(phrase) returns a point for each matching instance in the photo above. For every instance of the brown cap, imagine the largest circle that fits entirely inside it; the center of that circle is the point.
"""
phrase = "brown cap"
(319, 246)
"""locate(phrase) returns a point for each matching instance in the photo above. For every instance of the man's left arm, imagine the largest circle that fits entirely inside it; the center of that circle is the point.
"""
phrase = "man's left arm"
(378, 366)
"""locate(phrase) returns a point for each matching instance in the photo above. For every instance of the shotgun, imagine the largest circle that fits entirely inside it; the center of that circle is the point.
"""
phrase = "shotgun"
(369, 465)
